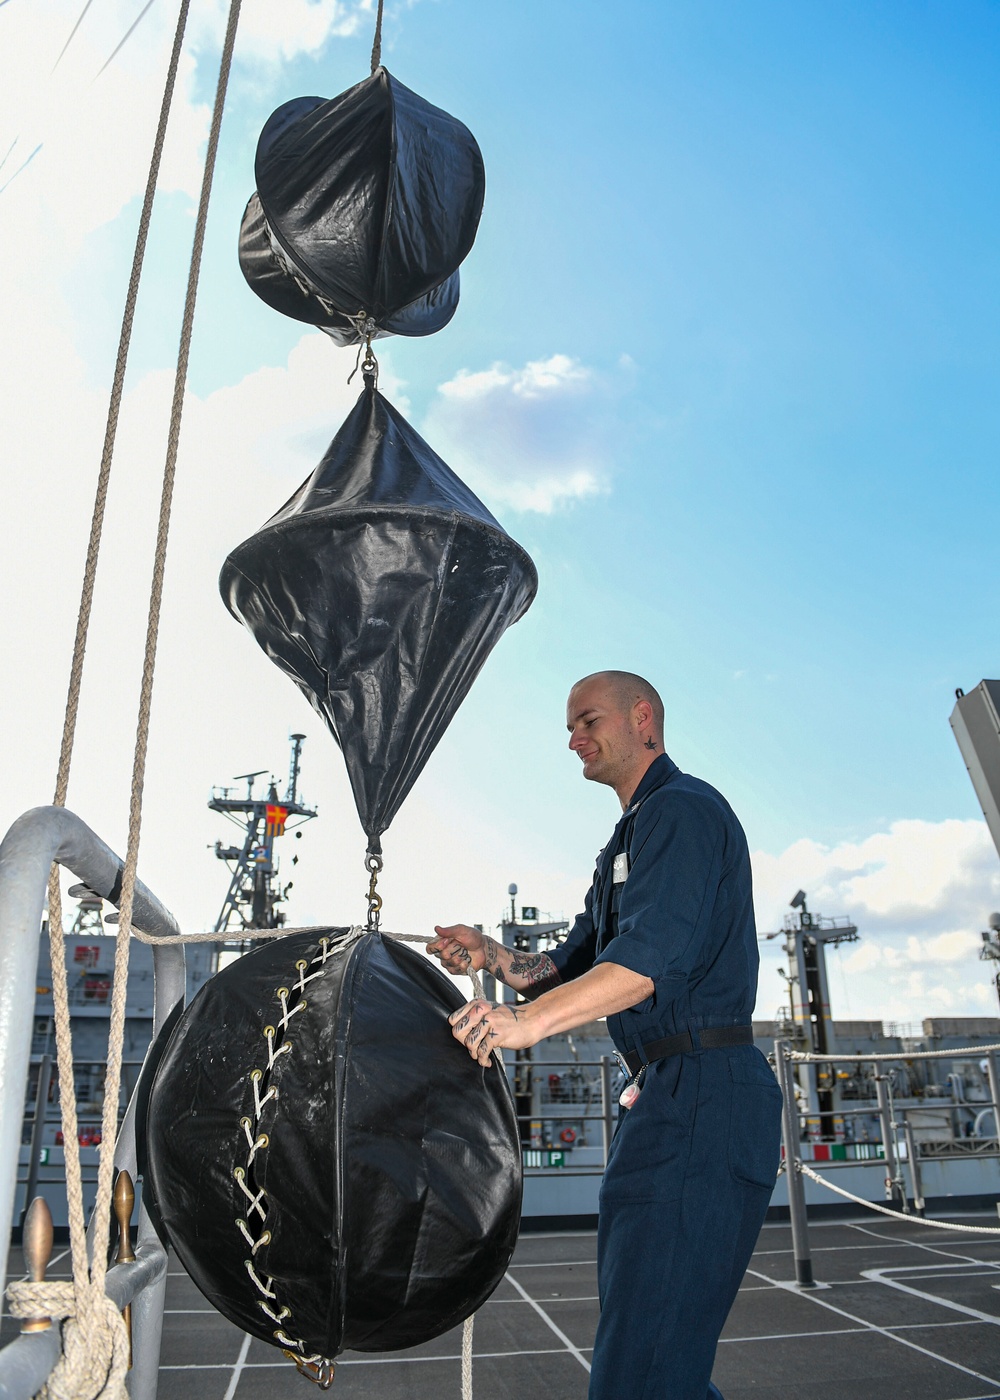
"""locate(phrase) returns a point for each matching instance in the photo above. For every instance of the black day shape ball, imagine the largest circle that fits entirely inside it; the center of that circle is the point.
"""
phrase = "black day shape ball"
(332, 1168)
(366, 203)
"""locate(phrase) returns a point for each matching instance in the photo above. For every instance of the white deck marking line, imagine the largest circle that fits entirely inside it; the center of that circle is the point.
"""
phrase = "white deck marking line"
(556, 1298)
(843, 1331)
(560, 1264)
(570, 1347)
(934, 1271)
(370, 1361)
(850, 1222)
(794, 1336)
(562, 1235)
(836, 1248)
(241, 1361)
(879, 1276)
(497, 1302)
(881, 1331)
(937, 1250)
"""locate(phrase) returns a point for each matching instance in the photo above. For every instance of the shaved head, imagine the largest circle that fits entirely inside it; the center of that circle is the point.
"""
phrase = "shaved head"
(615, 723)
(628, 689)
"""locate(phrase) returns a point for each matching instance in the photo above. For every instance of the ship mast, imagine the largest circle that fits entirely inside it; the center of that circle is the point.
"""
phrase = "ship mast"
(255, 892)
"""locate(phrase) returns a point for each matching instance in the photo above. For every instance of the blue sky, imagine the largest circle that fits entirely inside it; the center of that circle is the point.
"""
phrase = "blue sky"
(724, 362)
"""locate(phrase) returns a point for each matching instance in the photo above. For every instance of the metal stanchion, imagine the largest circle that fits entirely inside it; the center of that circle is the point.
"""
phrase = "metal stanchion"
(893, 1186)
(607, 1120)
(37, 1129)
(796, 1187)
(993, 1079)
(913, 1157)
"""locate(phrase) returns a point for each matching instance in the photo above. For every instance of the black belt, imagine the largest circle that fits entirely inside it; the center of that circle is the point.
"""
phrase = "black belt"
(713, 1038)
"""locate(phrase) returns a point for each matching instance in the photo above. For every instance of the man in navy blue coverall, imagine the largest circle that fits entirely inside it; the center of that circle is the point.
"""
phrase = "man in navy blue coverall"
(666, 949)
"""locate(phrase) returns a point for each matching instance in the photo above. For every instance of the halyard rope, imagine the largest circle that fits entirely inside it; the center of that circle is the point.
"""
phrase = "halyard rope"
(377, 42)
(102, 1212)
(86, 1302)
(92, 1362)
(886, 1210)
(111, 428)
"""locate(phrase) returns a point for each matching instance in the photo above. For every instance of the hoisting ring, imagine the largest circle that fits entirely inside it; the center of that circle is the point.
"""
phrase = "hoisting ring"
(320, 1373)
(373, 864)
(366, 328)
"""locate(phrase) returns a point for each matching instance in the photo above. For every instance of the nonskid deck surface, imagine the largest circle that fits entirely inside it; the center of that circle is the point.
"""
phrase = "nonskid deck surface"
(905, 1311)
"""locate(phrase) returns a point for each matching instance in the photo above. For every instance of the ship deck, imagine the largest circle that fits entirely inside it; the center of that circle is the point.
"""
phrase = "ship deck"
(901, 1309)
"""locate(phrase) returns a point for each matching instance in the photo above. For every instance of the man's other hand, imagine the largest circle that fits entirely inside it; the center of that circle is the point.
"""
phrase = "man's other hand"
(459, 948)
(484, 1026)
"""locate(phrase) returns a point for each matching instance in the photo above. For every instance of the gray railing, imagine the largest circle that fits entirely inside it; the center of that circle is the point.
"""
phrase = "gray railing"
(894, 1123)
(36, 840)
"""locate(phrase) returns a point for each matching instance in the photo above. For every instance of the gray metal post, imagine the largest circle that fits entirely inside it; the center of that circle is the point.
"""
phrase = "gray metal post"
(40, 837)
(893, 1192)
(913, 1158)
(798, 1215)
(993, 1079)
(37, 1129)
(607, 1119)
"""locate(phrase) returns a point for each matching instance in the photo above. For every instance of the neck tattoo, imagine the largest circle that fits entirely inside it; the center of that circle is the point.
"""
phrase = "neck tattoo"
(650, 744)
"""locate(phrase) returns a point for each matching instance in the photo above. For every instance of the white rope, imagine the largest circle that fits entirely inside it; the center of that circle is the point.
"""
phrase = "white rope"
(896, 1215)
(95, 1345)
(95, 1342)
(467, 1357)
(807, 1057)
(102, 1208)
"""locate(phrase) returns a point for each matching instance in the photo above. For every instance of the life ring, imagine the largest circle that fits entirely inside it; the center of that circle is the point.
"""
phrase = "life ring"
(568, 1135)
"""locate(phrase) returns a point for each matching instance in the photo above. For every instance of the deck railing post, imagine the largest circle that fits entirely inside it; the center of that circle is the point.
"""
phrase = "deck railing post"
(797, 1213)
(893, 1188)
(607, 1119)
(993, 1080)
(913, 1157)
(37, 1130)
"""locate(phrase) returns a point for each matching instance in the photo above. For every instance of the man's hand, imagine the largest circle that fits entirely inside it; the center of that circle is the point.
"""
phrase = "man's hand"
(484, 1026)
(459, 948)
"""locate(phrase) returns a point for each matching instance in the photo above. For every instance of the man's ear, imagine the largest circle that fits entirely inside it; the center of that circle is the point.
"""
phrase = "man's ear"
(643, 713)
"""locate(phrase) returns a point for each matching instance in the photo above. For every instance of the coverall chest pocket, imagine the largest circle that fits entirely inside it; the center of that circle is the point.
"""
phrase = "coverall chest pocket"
(754, 1120)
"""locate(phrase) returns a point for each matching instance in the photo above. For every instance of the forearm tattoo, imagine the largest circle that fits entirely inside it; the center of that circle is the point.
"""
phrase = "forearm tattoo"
(528, 973)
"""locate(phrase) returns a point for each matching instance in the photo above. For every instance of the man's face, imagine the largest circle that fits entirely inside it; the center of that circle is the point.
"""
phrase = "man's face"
(599, 732)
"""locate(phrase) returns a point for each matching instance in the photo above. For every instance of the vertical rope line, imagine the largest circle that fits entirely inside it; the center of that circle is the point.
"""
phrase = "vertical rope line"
(467, 1357)
(64, 1047)
(102, 1210)
(67, 1090)
(377, 44)
(111, 429)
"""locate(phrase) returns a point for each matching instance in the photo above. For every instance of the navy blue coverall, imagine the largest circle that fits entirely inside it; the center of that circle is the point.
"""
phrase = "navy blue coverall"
(693, 1163)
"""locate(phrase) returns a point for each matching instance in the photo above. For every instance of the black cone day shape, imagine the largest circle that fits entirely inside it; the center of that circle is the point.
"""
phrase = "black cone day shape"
(387, 1170)
(367, 203)
(381, 588)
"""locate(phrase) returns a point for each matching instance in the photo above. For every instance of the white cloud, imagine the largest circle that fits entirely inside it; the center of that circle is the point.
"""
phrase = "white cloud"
(92, 126)
(532, 438)
(303, 27)
(94, 129)
(919, 893)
